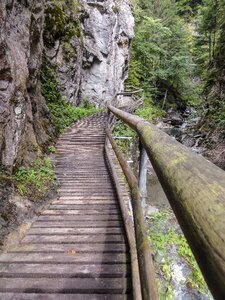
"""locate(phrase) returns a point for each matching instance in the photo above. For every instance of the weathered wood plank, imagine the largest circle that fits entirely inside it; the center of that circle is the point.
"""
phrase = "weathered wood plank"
(40, 270)
(77, 224)
(85, 202)
(69, 239)
(79, 212)
(75, 231)
(31, 296)
(96, 218)
(78, 248)
(102, 207)
(65, 285)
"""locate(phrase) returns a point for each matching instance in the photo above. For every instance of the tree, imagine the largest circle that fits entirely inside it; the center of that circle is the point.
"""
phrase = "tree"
(161, 59)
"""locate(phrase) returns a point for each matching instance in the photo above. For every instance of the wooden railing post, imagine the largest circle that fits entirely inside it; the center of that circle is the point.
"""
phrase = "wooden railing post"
(146, 266)
(142, 180)
(136, 286)
(195, 189)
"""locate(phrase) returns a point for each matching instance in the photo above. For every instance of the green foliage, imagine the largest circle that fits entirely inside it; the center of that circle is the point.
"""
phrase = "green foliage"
(210, 58)
(149, 111)
(123, 130)
(188, 8)
(163, 236)
(35, 181)
(63, 113)
(51, 149)
(161, 59)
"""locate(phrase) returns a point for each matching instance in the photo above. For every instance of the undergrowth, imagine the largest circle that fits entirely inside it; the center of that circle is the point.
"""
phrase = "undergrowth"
(63, 113)
(35, 181)
(164, 238)
(148, 112)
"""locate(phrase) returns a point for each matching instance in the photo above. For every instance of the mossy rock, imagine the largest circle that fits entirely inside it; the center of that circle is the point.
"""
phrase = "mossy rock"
(69, 52)
(61, 23)
(54, 24)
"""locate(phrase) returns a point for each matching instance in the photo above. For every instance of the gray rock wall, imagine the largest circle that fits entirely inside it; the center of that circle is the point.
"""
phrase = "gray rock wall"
(108, 30)
(24, 117)
(88, 43)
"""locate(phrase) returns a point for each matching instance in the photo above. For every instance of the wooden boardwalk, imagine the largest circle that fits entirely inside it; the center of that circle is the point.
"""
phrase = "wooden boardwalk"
(77, 248)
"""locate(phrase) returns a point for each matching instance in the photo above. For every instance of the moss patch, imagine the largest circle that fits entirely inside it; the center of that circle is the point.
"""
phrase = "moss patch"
(61, 22)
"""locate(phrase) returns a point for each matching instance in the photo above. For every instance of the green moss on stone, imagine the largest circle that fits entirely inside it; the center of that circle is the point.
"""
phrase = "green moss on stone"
(61, 21)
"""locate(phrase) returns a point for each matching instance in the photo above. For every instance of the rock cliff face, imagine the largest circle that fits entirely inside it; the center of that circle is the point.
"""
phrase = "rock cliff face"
(24, 117)
(92, 64)
(87, 42)
(108, 30)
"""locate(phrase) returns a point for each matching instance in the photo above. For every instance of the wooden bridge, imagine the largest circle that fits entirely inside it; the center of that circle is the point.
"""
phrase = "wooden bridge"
(86, 245)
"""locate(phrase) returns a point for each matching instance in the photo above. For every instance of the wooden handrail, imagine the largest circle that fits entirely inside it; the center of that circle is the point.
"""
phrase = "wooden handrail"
(127, 220)
(145, 262)
(195, 189)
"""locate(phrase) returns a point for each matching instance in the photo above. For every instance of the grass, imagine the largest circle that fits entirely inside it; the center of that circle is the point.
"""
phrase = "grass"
(163, 237)
(37, 180)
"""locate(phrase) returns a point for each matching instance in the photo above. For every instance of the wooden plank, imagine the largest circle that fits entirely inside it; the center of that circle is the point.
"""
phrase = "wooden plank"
(31, 296)
(95, 218)
(102, 207)
(77, 224)
(85, 189)
(65, 285)
(79, 212)
(86, 193)
(84, 184)
(70, 257)
(84, 202)
(79, 248)
(70, 239)
(75, 231)
(89, 198)
(40, 270)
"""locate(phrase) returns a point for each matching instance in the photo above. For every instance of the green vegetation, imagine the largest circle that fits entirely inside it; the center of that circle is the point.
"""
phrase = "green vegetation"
(148, 112)
(51, 149)
(35, 181)
(122, 130)
(164, 236)
(61, 22)
(178, 55)
(210, 59)
(161, 60)
(63, 113)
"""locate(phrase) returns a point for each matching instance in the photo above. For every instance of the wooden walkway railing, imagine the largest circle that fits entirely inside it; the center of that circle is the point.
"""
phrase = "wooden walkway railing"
(196, 191)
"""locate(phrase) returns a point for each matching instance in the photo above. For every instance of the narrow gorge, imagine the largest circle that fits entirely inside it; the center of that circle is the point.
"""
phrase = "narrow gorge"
(72, 53)
(86, 42)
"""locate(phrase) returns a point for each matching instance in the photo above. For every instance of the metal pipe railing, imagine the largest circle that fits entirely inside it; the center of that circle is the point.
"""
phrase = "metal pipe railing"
(145, 262)
(195, 189)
